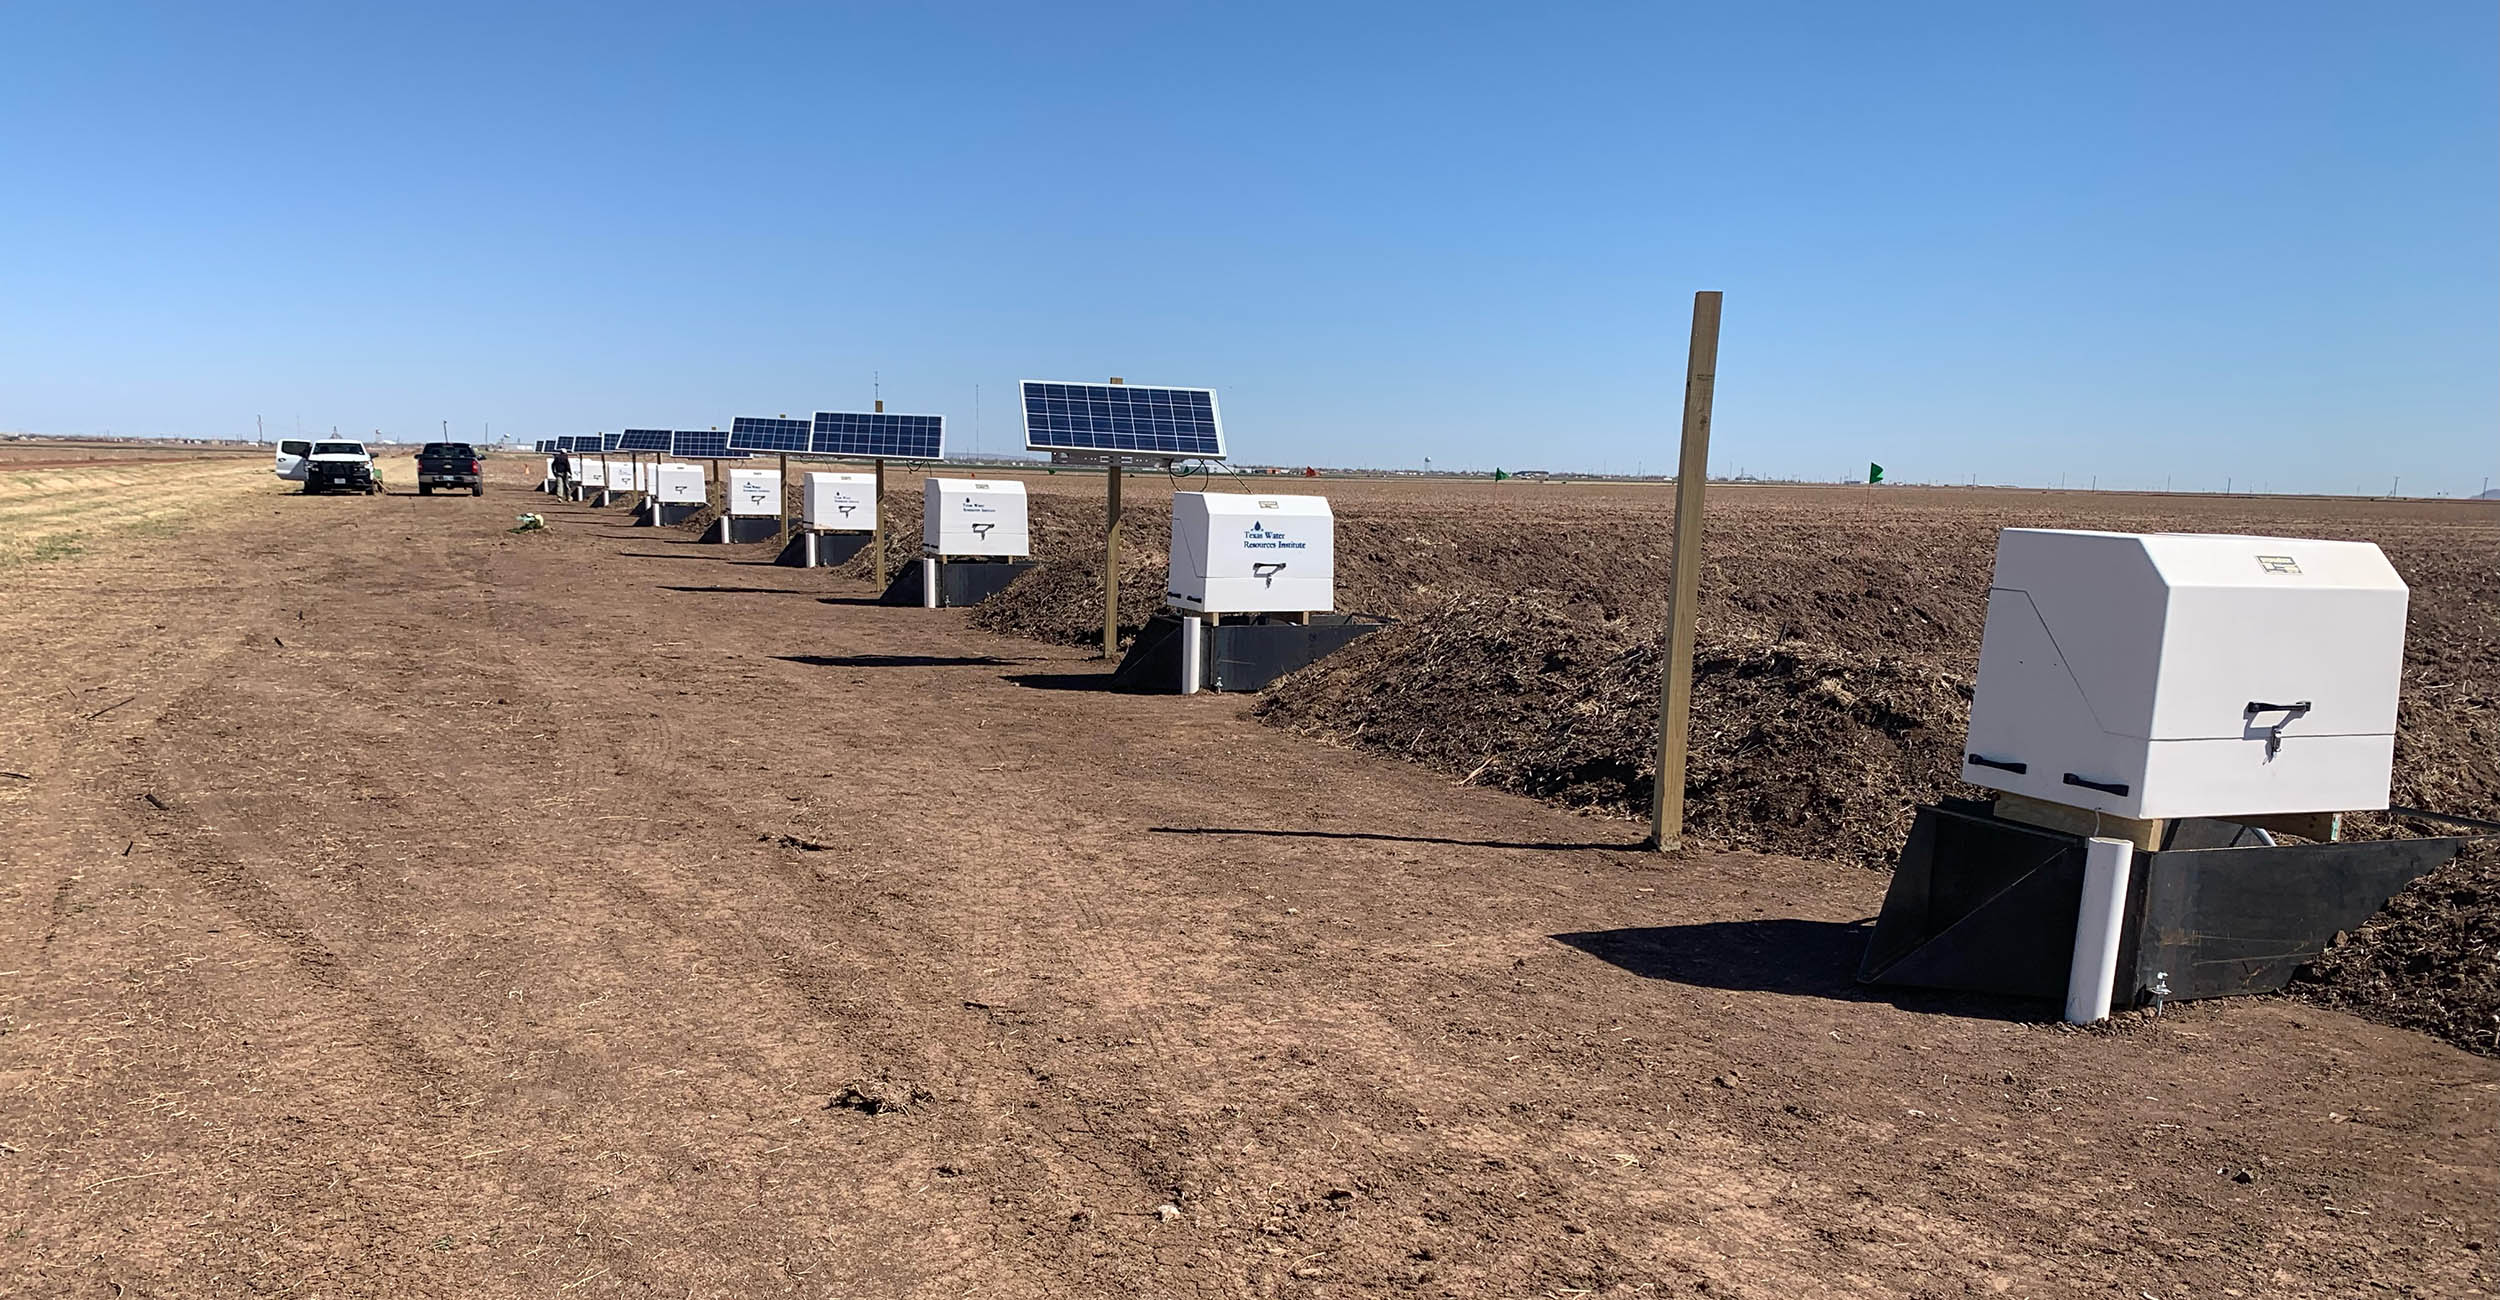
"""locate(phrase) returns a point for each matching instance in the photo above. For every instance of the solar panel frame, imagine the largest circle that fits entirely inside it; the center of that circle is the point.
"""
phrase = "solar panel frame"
(578, 442)
(878, 435)
(643, 440)
(769, 434)
(608, 441)
(546, 445)
(1145, 420)
(702, 444)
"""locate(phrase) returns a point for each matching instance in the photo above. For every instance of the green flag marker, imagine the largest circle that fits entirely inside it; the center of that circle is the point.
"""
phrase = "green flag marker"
(1874, 472)
(1499, 475)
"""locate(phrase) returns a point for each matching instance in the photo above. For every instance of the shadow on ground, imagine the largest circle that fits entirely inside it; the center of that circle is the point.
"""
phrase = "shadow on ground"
(896, 661)
(1095, 681)
(1539, 845)
(746, 591)
(1795, 958)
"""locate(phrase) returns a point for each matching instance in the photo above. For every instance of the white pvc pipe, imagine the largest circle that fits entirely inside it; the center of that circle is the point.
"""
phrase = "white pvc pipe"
(1193, 652)
(811, 549)
(2094, 975)
(928, 582)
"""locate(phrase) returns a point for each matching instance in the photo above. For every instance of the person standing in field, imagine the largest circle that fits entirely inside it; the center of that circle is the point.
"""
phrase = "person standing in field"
(563, 469)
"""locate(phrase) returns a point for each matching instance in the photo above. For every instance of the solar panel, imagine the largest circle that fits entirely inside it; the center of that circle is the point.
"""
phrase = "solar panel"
(546, 444)
(1122, 418)
(610, 441)
(578, 442)
(755, 433)
(642, 440)
(709, 444)
(878, 434)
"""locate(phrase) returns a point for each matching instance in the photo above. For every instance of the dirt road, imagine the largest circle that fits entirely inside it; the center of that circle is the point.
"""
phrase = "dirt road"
(397, 906)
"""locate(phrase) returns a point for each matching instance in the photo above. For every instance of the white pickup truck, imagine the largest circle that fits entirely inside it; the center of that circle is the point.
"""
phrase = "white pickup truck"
(328, 465)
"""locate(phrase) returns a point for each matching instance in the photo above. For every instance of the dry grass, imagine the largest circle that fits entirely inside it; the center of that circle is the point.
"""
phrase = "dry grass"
(57, 513)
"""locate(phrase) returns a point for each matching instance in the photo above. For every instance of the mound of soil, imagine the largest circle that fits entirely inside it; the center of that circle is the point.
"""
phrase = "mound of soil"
(2429, 961)
(1060, 601)
(1798, 747)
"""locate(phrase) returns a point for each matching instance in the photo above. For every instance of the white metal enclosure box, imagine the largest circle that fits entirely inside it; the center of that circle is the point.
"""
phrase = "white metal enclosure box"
(678, 484)
(839, 502)
(2188, 675)
(755, 492)
(974, 517)
(1240, 553)
(588, 472)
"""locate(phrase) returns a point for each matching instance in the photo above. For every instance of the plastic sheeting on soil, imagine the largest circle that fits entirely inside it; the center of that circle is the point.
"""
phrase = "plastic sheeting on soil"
(2429, 961)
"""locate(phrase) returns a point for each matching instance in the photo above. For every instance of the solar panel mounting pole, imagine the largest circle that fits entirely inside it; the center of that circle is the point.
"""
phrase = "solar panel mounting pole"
(1111, 559)
(876, 540)
(783, 483)
(1692, 478)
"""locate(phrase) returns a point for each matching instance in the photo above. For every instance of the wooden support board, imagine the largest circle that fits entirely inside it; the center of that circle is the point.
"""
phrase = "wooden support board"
(2145, 835)
(2325, 828)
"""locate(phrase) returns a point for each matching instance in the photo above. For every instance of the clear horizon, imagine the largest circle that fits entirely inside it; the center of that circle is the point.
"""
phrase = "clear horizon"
(2154, 246)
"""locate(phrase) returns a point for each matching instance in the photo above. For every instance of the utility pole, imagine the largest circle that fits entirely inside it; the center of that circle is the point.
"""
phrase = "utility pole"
(1692, 478)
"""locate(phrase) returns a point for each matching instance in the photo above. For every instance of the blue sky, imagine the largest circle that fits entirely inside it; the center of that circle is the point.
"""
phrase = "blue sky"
(2143, 242)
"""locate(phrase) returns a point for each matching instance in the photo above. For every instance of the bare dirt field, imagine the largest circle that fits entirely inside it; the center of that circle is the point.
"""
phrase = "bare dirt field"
(394, 905)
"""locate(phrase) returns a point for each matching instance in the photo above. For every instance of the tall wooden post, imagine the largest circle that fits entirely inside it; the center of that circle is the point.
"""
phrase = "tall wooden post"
(1111, 560)
(876, 540)
(782, 490)
(1692, 478)
(1111, 567)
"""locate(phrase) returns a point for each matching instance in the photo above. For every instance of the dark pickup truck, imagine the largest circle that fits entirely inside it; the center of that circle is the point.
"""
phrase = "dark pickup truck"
(449, 465)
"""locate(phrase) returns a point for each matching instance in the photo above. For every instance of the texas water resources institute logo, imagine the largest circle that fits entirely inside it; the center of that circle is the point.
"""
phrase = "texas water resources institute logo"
(1260, 537)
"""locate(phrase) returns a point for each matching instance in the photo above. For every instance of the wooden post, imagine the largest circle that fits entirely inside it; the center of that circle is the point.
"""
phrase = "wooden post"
(1111, 560)
(1692, 478)
(782, 491)
(1111, 566)
(876, 540)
